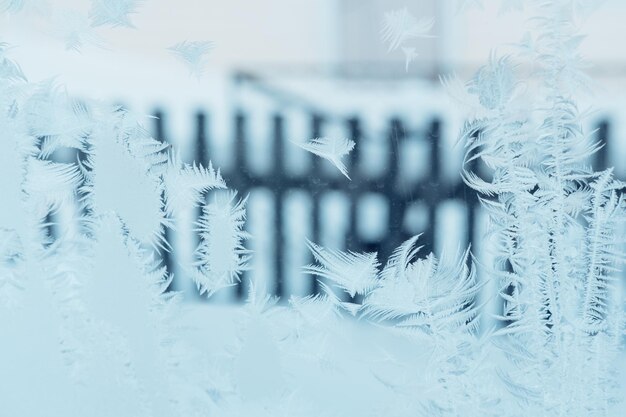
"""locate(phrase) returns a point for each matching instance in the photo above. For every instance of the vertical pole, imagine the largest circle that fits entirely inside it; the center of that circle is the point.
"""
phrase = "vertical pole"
(316, 131)
(602, 136)
(168, 261)
(240, 180)
(278, 203)
(395, 200)
(433, 197)
(354, 129)
(200, 156)
(353, 242)
(471, 201)
(202, 145)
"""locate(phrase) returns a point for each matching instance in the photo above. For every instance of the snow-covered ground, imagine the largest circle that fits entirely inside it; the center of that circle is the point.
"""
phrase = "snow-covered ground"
(359, 369)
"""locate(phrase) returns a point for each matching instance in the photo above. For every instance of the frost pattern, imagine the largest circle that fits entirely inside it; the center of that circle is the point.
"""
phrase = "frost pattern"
(463, 5)
(193, 54)
(427, 294)
(11, 6)
(222, 256)
(555, 222)
(399, 27)
(87, 315)
(355, 273)
(409, 56)
(186, 185)
(332, 149)
(75, 30)
(431, 302)
(115, 13)
(88, 319)
(494, 84)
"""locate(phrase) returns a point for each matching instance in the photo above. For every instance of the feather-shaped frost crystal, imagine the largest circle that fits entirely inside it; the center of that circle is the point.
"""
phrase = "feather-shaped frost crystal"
(511, 6)
(75, 30)
(494, 83)
(50, 184)
(9, 70)
(400, 26)
(353, 272)
(409, 56)
(332, 149)
(124, 153)
(194, 54)
(427, 293)
(186, 184)
(463, 5)
(11, 6)
(114, 13)
(221, 254)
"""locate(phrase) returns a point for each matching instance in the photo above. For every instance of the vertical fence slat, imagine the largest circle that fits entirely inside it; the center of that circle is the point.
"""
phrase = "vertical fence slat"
(201, 156)
(352, 241)
(430, 189)
(168, 235)
(354, 131)
(279, 192)
(316, 131)
(602, 135)
(397, 135)
(238, 181)
(202, 149)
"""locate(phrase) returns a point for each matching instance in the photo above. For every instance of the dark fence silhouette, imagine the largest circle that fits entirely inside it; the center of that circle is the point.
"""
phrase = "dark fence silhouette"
(430, 190)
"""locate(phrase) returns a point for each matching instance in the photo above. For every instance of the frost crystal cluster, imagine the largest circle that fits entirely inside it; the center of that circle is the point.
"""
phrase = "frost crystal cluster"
(557, 224)
(400, 27)
(90, 326)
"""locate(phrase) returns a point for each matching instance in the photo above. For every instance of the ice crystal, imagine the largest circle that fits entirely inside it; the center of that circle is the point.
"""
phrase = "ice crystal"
(494, 84)
(193, 54)
(409, 56)
(353, 272)
(186, 185)
(116, 13)
(332, 149)
(12, 6)
(463, 5)
(554, 222)
(222, 256)
(75, 30)
(91, 327)
(83, 285)
(400, 26)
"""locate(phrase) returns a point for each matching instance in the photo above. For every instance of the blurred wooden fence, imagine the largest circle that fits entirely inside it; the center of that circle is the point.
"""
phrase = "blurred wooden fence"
(400, 194)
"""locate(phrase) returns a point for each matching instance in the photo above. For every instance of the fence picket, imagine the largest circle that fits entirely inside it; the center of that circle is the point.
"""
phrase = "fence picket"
(429, 191)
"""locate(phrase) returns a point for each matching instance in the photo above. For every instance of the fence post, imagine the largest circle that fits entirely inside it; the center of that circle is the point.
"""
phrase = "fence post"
(396, 202)
(279, 191)
(168, 261)
(602, 135)
(355, 133)
(201, 156)
(430, 188)
(316, 131)
(239, 179)
(202, 150)
(471, 200)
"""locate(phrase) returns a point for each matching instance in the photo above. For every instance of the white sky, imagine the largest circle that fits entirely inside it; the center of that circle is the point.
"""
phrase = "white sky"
(251, 34)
